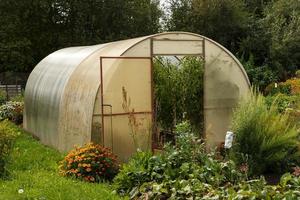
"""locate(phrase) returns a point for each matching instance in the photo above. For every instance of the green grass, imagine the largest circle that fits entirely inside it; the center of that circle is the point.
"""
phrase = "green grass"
(34, 168)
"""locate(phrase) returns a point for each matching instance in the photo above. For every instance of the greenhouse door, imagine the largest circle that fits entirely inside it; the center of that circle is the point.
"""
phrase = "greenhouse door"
(126, 96)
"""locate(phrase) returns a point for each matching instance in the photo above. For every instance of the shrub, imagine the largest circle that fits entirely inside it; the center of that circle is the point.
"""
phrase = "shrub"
(260, 76)
(134, 173)
(12, 111)
(183, 171)
(294, 83)
(179, 92)
(8, 134)
(91, 163)
(2, 97)
(289, 87)
(264, 137)
(297, 73)
(18, 98)
(283, 102)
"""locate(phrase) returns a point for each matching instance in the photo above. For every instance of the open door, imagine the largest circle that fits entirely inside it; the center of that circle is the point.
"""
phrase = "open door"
(126, 104)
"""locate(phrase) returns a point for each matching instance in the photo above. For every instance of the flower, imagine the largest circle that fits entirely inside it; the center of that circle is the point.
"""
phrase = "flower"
(88, 169)
(20, 191)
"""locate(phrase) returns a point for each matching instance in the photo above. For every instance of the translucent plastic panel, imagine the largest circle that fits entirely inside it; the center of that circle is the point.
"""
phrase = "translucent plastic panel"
(225, 83)
(131, 76)
(177, 47)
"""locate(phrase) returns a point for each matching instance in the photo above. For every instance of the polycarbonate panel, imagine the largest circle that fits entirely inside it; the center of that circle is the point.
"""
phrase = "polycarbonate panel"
(44, 91)
(225, 84)
(177, 47)
(120, 139)
(134, 76)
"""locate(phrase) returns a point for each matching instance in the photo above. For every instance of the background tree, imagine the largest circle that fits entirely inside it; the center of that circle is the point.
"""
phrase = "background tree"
(32, 29)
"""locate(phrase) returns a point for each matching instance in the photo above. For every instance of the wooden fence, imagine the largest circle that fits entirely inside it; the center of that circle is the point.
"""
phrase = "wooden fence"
(11, 90)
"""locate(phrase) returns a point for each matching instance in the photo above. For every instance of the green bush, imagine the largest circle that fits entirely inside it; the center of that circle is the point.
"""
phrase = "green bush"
(8, 133)
(134, 173)
(187, 171)
(179, 92)
(260, 76)
(183, 171)
(264, 137)
(297, 73)
(12, 111)
(2, 97)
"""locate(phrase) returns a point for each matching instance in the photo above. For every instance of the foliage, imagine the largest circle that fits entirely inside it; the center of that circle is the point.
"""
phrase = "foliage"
(91, 163)
(48, 25)
(264, 138)
(13, 111)
(2, 97)
(282, 24)
(18, 98)
(134, 173)
(179, 91)
(289, 87)
(209, 17)
(261, 76)
(297, 74)
(181, 171)
(284, 102)
(168, 93)
(8, 134)
(34, 170)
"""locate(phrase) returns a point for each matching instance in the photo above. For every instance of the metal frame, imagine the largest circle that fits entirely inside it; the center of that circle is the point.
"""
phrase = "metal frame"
(101, 89)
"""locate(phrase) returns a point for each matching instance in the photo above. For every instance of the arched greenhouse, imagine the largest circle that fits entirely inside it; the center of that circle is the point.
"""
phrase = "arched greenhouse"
(104, 93)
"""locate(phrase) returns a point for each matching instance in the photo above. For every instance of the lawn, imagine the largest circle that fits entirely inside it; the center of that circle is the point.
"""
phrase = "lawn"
(34, 170)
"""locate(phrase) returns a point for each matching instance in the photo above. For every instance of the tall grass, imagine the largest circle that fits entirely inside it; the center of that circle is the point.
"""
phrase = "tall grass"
(265, 139)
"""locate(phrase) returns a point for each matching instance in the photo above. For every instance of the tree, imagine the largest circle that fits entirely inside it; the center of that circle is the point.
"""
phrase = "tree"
(32, 29)
(224, 21)
(282, 24)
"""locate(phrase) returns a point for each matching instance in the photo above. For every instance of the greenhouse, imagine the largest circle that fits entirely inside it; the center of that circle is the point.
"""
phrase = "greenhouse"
(104, 93)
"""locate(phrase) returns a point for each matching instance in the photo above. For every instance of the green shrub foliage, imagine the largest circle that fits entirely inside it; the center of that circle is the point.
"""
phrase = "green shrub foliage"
(179, 91)
(2, 97)
(8, 133)
(264, 137)
(183, 171)
(187, 171)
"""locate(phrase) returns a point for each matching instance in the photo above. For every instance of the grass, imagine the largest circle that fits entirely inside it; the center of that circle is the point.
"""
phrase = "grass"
(34, 169)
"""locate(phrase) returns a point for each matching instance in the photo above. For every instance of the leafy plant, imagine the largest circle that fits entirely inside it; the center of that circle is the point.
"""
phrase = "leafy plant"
(297, 73)
(260, 76)
(91, 163)
(179, 92)
(2, 97)
(8, 133)
(12, 111)
(263, 135)
(182, 171)
(134, 173)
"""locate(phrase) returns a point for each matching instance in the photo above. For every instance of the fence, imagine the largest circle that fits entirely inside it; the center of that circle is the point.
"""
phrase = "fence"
(13, 83)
